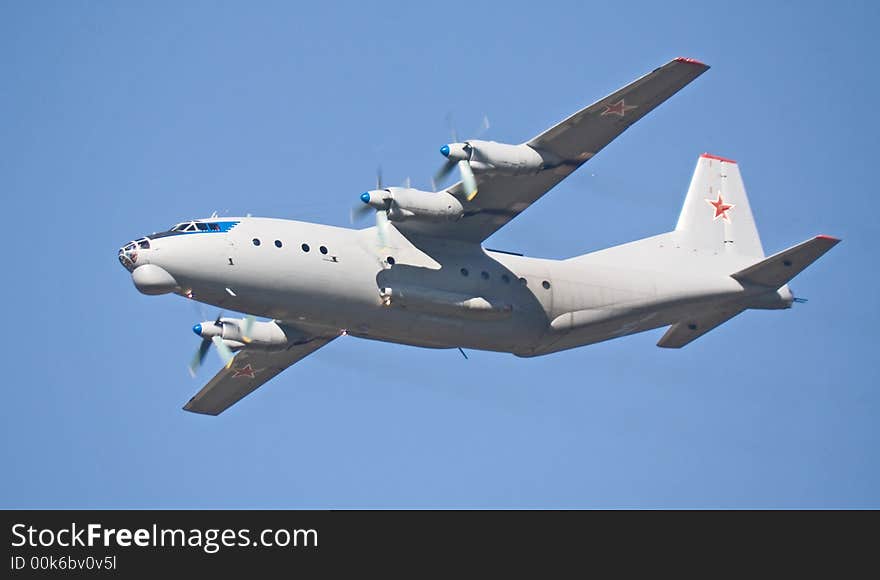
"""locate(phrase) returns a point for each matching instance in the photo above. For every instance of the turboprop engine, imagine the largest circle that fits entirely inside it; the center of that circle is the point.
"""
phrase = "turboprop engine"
(228, 334)
(403, 203)
(240, 332)
(490, 157)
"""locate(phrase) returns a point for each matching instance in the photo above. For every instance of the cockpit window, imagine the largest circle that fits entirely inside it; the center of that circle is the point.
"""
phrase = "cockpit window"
(144, 244)
(194, 226)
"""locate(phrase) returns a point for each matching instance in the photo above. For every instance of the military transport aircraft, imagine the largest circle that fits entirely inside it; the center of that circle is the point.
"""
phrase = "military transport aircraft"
(421, 277)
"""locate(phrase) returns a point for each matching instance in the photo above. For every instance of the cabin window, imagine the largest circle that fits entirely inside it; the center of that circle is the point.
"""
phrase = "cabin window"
(545, 284)
(323, 249)
(464, 272)
(390, 260)
(256, 241)
(523, 281)
(277, 243)
(505, 278)
(484, 275)
(305, 247)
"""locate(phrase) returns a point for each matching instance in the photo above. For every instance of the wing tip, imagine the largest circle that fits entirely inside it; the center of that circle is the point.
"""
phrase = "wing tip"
(192, 407)
(831, 239)
(690, 61)
(718, 158)
(197, 411)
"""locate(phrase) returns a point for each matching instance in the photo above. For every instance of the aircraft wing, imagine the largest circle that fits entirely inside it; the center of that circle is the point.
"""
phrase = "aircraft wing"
(573, 141)
(248, 370)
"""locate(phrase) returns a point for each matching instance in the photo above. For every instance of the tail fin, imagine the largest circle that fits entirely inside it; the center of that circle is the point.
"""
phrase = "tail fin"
(779, 268)
(716, 215)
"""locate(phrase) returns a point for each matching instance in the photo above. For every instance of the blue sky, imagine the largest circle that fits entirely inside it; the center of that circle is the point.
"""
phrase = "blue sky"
(118, 119)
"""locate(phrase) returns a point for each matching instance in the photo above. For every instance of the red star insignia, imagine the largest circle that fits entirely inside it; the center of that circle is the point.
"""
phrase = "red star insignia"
(245, 371)
(721, 208)
(619, 108)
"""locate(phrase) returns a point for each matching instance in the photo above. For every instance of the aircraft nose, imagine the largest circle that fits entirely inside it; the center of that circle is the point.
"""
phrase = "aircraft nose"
(128, 256)
(135, 253)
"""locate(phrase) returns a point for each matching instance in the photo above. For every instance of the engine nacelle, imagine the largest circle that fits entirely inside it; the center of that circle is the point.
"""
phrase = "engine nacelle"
(403, 203)
(493, 157)
(489, 156)
(264, 335)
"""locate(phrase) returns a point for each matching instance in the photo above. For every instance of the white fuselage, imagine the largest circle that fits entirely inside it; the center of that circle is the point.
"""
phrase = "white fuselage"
(443, 294)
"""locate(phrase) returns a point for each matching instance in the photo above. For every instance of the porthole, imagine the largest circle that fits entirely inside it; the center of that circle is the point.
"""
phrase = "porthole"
(505, 278)
(464, 272)
(545, 284)
(277, 243)
(256, 241)
(523, 281)
(323, 249)
(390, 260)
(305, 247)
(484, 275)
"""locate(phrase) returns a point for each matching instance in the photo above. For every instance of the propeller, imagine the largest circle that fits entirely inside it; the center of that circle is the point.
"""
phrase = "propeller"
(205, 346)
(216, 338)
(379, 201)
(459, 154)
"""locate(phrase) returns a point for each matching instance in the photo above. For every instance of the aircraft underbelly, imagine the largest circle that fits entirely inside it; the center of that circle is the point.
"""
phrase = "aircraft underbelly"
(347, 295)
(443, 296)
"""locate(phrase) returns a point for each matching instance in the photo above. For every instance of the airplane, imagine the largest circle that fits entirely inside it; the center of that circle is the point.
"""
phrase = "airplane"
(421, 276)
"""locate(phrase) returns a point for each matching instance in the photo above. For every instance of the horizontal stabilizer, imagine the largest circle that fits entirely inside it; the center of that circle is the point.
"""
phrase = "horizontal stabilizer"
(685, 331)
(779, 268)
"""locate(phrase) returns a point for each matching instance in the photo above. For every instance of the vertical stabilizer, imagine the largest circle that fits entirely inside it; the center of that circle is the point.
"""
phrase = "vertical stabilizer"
(716, 215)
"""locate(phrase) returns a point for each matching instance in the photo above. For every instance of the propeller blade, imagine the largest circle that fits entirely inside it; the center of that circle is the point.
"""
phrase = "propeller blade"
(445, 170)
(382, 227)
(199, 357)
(359, 212)
(223, 350)
(468, 180)
(451, 125)
(379, 178)
(246, 329)
(199, 309)
(484, 126)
